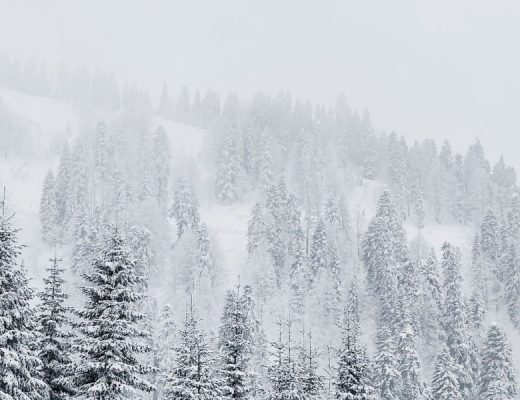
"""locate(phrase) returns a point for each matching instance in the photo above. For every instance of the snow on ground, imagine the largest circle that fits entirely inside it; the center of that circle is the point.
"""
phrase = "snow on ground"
(48, 114)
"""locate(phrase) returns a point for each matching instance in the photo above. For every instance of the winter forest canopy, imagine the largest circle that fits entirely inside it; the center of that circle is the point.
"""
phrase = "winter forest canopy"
(201, 245)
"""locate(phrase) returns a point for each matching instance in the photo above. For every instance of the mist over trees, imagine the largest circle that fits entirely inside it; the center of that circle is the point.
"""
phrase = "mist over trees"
(336, 292)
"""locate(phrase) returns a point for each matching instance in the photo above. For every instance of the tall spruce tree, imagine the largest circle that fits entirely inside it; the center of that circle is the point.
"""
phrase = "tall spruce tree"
(312, 381)
(226, 182)
(255, 229)
(511, 261)
(185, 206)
(55, 342)
(431, 300)
(111, 339)
(164, 349)
(412, 383)
(387, 376)
(49, 209)
(458, 340)
(236, 346)
(445, 385)
(193, 374)
(384, 252)
(20, 377)
(161, 156)
(352, 376)
(285, 372)
(497, 378)
(64, 193)
(318, 250)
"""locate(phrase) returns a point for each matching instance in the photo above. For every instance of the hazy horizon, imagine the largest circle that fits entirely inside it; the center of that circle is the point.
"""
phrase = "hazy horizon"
(445, 70)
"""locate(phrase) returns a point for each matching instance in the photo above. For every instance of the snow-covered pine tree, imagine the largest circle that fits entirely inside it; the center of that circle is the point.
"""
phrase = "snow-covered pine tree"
(80, 236)
(80, 176)
(193, 374)
(226, 181)
(299, 283)
(511, 261)
(54, 344)
(409, 296)
(101, 156)
(185, 206)
(63, 191)
(20, 377)
(352, 379)
(265, 160)
(398, 172)
(275, 228)
(285, 372)
(513, 215)
(164, 349)
(318, 250)
(431, 298)
(312, 381)
(206, 267)
(444, 384)
(384, 251)
(387, 376)
(332, 213)
(413, 386)
(258, 348)
(455, 320)
(255, 229)
(497, 379)
(49, 210)
(293, 220)
(418, 205)
(490, 242)
(476, 310)
(146, 162)
(140, 245)
(235, 345)
(161, 157)
(111, 340)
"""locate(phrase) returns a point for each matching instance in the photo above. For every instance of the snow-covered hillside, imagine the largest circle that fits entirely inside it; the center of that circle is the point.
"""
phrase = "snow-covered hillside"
(47, 123)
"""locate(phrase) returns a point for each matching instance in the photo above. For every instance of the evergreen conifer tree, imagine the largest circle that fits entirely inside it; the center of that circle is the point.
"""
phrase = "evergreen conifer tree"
(352, 376)
(54, 344)
(63, 192)
(49, 210)
(111, 339)
(455, 320)
(193, 374)
(445, 385)
(318, 250)
(387, 376)
(226, 182)
(235, 344)
(161, 156)
(20, 376)
(497, 378)
(185, 206)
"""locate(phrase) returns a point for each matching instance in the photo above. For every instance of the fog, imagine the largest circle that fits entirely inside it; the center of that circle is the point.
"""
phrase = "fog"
(426, 69)
(233, 245)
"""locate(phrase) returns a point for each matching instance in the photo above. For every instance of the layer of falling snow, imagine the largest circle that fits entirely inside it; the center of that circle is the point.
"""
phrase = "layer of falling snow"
(46, 117)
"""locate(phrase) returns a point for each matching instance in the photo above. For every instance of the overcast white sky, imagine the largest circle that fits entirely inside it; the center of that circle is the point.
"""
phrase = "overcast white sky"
(442, 69)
